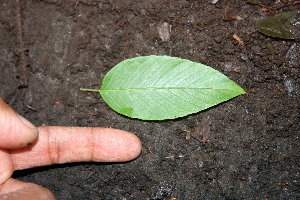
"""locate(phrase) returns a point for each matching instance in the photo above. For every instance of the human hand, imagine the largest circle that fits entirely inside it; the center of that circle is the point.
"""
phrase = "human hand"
(23, 146)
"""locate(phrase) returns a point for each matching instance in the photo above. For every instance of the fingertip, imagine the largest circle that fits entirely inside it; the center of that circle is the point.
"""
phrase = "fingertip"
(116, 145)
(133, 147)
(15, 131)
(29, 131)
(26, 122)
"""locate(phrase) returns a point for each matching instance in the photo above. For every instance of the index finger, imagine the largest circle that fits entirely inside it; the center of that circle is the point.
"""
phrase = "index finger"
(57, 145)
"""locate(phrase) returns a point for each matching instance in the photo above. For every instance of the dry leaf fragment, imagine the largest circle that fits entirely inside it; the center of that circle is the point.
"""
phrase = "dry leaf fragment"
(229, 13)
(201, 132)
(205, 128)
(164, 30)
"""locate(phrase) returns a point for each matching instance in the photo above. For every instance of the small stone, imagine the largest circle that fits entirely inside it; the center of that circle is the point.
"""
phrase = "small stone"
(164, 30)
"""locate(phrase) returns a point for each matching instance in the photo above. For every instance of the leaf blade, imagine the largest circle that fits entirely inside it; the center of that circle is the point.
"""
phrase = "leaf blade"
(283, 25)
(163, 87)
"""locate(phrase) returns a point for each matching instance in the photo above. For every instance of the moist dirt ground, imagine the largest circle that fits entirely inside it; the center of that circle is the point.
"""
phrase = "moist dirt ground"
(252, 149)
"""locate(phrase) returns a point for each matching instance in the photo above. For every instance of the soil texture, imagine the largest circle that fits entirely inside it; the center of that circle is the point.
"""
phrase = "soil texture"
(252, 148)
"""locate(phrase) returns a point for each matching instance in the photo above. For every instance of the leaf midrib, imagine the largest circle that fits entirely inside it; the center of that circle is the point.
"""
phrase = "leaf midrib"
(155, 88)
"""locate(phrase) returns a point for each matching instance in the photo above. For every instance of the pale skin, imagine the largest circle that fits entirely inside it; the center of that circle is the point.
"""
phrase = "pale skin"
(22, 146)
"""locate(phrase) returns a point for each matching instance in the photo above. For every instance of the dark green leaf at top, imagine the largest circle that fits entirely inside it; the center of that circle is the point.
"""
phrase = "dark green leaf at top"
(283, 25)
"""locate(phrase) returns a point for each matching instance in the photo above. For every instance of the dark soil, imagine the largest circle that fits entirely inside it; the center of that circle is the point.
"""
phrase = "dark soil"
(252, 150)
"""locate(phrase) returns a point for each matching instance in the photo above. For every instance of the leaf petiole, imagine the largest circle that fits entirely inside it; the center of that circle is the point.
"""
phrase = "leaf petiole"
(89, 90)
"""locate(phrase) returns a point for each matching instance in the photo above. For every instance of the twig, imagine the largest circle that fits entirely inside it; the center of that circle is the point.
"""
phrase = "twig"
(23, 60)
(240, 41)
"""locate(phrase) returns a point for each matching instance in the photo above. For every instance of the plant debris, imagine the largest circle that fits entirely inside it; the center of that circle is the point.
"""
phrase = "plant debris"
(283, 25)
(164, 30)
(202, 130)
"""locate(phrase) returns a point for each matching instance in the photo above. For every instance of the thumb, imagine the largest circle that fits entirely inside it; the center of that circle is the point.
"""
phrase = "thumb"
(14, 189)
(15, 130)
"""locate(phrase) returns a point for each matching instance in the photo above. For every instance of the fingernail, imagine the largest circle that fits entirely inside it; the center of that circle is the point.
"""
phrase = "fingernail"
(26, 122)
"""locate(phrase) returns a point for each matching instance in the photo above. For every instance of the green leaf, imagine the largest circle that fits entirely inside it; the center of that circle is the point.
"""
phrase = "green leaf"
(283, 25)
(163, 87)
